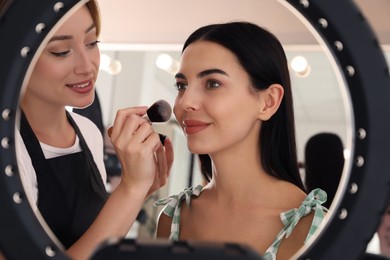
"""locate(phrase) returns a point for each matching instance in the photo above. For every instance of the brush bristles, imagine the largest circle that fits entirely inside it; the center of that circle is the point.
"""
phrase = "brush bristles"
(160, 111)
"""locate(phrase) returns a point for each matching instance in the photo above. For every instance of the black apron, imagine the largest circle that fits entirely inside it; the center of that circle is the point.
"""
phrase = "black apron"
(70, 188)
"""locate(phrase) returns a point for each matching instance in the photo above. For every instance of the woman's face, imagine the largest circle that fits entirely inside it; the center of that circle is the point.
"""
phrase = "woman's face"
(215, 105)
(67, 69)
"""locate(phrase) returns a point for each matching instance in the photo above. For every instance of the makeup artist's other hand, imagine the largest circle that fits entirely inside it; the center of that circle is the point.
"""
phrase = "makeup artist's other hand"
(164, 161)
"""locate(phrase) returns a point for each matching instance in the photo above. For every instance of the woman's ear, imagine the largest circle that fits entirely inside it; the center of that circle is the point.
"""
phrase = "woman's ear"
(270, 99)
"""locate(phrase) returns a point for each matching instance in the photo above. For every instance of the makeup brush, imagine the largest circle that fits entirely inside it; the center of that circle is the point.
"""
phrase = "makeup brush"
(159, 112)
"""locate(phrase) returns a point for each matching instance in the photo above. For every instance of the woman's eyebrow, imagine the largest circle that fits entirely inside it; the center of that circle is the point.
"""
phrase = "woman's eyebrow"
(61, 38)
(92, 26)
(180, 76)
(211, 71)
(203, 73)
(69, 37)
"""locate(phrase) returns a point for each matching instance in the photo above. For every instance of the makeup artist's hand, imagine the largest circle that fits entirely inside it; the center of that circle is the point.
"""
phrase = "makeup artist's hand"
(145, 161)
(164, 160)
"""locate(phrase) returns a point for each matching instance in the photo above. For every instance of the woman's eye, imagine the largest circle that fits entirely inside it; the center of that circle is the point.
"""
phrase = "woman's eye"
(212, 84)
(180, 86)
(93, 44)
(60, 54)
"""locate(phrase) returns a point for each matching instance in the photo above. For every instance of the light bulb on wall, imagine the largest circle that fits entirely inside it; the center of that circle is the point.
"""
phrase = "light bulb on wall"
(167, 63)
(164, 61)
(115, 67)
(300, 66)
(109, 65)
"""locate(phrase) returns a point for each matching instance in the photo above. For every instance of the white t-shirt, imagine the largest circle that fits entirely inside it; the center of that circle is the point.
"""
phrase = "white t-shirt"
(92, 137)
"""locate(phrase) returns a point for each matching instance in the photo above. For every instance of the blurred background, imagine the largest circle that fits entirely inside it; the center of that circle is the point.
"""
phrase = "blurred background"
(141, 43)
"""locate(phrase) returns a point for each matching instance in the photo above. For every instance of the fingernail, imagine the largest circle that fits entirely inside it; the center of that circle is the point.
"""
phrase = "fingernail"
(109, 131)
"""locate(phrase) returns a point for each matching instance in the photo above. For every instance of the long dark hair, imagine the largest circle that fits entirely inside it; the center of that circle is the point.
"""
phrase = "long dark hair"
(262, 56)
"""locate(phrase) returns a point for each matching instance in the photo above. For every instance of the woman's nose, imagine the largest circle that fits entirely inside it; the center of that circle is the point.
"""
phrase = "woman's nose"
(190, 99)
(84, 62)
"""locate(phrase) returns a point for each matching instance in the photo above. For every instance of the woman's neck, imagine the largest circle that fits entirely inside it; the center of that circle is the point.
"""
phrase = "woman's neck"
(237, 174)
(50, 124)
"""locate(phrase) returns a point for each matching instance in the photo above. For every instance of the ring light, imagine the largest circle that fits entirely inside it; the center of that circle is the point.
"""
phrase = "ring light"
(362, 65)
(361, 61)
(23, 26)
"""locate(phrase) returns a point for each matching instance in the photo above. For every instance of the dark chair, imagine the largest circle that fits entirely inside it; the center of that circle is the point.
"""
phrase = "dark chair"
(324, 163)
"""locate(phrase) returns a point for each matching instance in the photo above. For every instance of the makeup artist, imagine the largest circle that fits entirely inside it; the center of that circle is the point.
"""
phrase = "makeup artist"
(234, 104)
(60, 153)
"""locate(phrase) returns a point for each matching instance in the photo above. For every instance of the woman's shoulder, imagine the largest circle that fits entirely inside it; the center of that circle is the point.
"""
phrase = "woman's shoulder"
(288, 195)
(301, 222)
(304, 204)
(174, 202)
(170, 215)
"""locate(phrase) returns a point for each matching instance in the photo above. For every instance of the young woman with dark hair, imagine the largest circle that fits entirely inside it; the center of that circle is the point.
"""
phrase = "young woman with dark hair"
(235, 106)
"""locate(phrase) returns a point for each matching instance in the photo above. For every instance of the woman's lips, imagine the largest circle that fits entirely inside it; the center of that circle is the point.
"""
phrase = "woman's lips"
(81, 88)
(194, 126)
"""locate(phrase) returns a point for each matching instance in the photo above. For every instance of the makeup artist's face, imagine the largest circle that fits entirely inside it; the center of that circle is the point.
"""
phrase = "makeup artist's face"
(215, 106)
(67, 69)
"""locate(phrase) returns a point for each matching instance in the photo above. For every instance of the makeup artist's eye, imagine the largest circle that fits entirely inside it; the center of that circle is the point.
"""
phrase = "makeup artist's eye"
(211, 84)
(180, 86)
(61, 53)
(92, 44)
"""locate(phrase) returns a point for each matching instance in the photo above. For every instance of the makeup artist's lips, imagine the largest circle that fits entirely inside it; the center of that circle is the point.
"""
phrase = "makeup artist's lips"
(194, 126)
(81, 87)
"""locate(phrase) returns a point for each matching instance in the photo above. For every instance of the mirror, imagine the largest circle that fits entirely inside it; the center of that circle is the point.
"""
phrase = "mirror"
(318, 95)
(352, 197)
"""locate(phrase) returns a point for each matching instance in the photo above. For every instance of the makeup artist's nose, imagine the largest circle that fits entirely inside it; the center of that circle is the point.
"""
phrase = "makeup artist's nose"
(84, 62)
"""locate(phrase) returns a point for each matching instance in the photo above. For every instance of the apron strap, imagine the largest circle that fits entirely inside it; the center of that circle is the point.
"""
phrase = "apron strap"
(96, 173)
(31, 142)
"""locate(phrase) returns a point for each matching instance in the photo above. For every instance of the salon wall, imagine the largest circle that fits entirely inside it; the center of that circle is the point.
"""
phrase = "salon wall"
(141, 29)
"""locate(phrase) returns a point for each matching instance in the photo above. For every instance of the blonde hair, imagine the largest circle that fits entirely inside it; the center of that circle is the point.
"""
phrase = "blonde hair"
(93, 8)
